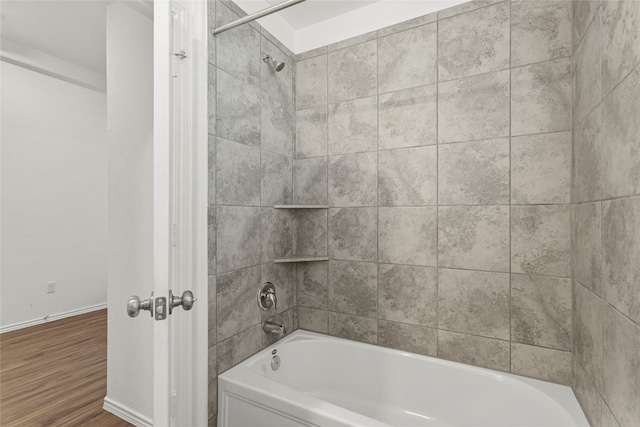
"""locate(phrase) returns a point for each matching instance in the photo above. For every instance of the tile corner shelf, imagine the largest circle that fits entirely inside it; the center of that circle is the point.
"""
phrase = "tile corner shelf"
(301, 206)
(300, 258)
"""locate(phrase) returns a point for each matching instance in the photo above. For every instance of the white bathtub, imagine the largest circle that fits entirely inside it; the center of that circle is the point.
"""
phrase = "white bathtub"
(327, 381)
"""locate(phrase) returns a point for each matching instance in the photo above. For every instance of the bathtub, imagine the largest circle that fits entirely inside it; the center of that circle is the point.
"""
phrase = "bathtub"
(327, 381)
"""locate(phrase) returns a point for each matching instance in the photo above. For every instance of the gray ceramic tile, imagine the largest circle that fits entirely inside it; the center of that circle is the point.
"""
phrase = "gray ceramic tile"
(238, 50)
(238, 110)
(277, 109)
(620, 254)
(474, 108)
(587, 339)
(588, 395)
(238, 348)
(310, 181)
(540, 30)
(238, 237)
(541, 97)
(406, 25)
(314, 320)
(282, 277)
(211, 99)
(621, 358)
(352, 41)
(211, 42)
(311, 82)
(353, 126)
(587, 182)
(311, 132)
(313, 288)
(586, 73)
(211, 170)
(407, 59)
(212, 311)
(353, 288)
(545, 364)
(353, 327)
(238, 174)
(472, 350)
(407, 118)
(311, 232)
(353, 234)
(608, 419)
(411, 338)
(277, 233)
(353, 179)
(474, 237)
(541, 169)
(407, 177)
(408, 235)
(465, 7)
(311, 53)
(474, 302)
(277, 179)
(541, 311)
(212, 389)
(353, 72)
(408, 294)
(277, 43)
(620, 41)
(474, 173)
(540, 240)
(236, 295)
(587, 249)
(474, 43)
(621, 138)
(211, 240)
(583, 13)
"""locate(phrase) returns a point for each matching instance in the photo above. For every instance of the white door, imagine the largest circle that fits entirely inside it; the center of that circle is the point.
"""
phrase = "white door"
(180, 194)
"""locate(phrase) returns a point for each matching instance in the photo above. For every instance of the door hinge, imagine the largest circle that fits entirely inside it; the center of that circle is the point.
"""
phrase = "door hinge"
(174, 235)
(174, 400)
(177, 57)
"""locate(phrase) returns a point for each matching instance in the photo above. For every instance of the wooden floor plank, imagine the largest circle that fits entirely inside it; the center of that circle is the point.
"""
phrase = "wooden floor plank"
(55, 374)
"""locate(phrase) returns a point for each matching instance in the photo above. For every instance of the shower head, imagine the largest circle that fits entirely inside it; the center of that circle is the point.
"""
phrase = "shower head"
(278, 66)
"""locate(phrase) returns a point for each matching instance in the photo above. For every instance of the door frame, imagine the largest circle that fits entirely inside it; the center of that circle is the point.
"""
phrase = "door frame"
(180, 214)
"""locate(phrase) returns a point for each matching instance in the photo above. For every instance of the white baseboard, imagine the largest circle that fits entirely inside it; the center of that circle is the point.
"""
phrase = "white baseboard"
(126, 413)
(51, 318)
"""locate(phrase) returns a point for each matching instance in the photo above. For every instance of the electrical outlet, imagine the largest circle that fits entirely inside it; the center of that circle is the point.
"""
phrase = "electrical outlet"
(51, 287)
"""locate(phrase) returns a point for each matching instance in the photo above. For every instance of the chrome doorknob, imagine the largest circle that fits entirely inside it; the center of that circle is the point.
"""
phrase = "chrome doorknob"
(186, 301)
(134, 305)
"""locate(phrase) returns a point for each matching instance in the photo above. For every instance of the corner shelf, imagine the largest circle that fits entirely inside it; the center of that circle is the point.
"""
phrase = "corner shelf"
(301, 259)
(301, 206)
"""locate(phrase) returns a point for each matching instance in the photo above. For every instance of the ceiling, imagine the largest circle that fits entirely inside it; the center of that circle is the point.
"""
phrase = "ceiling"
(312, 12)
(74, 31)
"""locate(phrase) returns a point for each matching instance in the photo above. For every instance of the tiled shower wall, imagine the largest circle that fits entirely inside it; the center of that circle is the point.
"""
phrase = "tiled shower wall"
(606, 191)
(443, 147)
(251, 140)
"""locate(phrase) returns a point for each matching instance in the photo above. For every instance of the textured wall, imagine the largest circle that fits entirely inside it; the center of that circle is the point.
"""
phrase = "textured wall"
(606, 231)
(251, 139)
(443, 148)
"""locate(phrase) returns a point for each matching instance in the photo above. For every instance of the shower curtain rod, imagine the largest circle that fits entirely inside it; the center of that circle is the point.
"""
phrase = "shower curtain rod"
(254, 16)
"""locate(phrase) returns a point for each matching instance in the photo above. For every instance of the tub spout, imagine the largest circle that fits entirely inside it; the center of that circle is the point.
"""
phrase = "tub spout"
(274, 328)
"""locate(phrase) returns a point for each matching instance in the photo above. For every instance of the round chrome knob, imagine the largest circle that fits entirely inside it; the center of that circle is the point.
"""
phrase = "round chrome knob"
(133, 306)
(186, 301)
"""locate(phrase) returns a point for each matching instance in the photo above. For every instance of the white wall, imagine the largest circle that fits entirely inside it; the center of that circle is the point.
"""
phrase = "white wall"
(130, 200)
(53, 197)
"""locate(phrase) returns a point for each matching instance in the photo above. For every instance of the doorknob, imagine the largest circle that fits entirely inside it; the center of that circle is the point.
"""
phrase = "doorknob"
(186, 301)
(134, 305)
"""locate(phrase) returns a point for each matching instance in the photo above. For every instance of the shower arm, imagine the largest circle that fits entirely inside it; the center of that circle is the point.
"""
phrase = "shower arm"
(254, 16)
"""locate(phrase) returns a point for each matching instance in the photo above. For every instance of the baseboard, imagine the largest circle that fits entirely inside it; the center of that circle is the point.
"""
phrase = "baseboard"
(126, 413)
(51, 318)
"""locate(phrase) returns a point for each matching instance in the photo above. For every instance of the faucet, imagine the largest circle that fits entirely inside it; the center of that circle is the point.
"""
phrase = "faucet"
(274, 328)
(267, 296)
